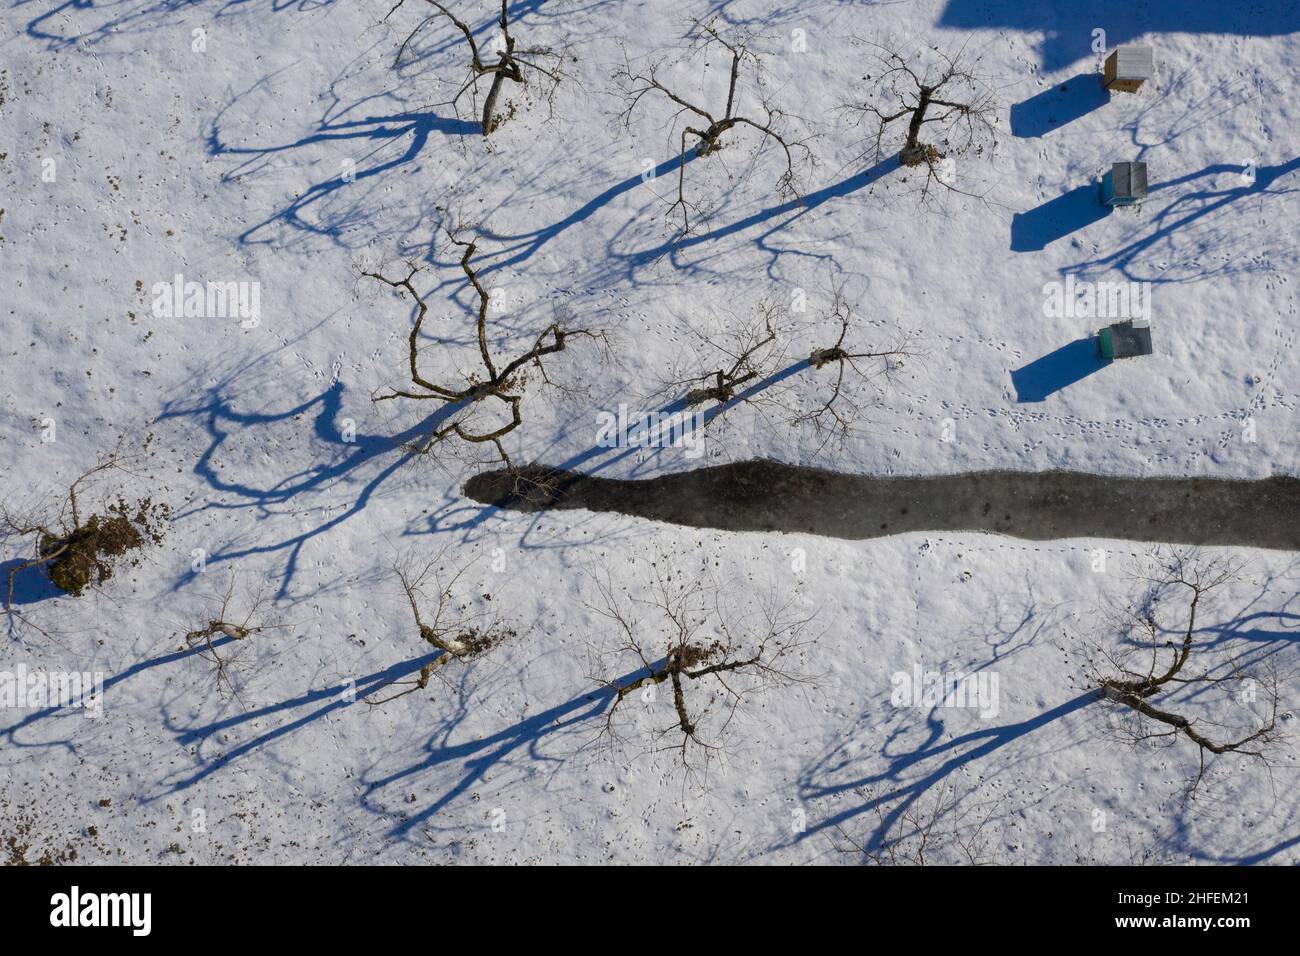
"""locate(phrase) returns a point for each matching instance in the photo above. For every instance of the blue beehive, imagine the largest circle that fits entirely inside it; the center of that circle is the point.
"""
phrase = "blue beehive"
(1125, 184)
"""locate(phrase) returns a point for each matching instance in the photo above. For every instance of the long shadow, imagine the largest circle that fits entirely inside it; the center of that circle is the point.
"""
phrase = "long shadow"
(792, 210)
(1057, 218)
(1251, 859)
(31, 584)
(452, 38)
(330, 699)
(952, 757)
(127, 17)
(1186, 210)
(1058, 106)
(10, 732)
(519, 247)
(419, 126)
(587, 460)
(1057, 370)
(1065, 30)
(480, 755)
(598, 458)
(1236, 629)
(221, 419)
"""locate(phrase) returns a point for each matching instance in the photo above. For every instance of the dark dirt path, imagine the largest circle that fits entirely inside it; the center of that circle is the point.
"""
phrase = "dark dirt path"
(770, 496)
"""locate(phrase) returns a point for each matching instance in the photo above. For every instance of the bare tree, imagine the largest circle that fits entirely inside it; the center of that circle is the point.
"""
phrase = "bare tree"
(1150, 653)
(703, 129)
(513, 62)
(77, 550)
(941, 829)
(929, 91)
(724, 360)
(502, 381)
(835, 412)
(209, 641)
(677, 629)
(729, 353)
(456, 633)
(722, 383)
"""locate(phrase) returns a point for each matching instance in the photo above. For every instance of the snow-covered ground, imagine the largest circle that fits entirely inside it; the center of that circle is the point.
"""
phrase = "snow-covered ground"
(273, 142)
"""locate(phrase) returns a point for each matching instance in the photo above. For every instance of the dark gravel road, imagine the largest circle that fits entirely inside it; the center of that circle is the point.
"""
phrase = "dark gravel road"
(770, 496)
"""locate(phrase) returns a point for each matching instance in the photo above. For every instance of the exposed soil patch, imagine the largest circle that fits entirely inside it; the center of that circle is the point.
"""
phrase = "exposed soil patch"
(88, 554)
(1039, 506)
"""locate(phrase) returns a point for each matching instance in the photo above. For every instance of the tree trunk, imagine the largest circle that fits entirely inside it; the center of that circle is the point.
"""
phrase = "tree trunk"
(489, 105)
(914, 154)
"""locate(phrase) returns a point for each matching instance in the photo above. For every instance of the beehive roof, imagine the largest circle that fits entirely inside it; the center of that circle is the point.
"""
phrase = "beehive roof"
(1129, 339)
(1134, 62)
(1129, 179)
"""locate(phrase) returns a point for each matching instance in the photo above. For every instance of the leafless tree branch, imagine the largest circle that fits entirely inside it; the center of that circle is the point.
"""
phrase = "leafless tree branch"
(703, 129)
(451, 629)
(1150, 653)
(929, 94)
(677, 630)
(513, 63)
(497, 381)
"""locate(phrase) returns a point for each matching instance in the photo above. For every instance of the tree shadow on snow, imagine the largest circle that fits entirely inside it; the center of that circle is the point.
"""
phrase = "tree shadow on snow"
(312, 706)
(1066, 29)
(368, 461)
(10, 733)
(915, 769)
(777, 219)
(32, 584)
(476, 757)
(363, 137)
(87, 23)
(511, 249)
(1202, 208)
(467, 517)
(935, 760)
